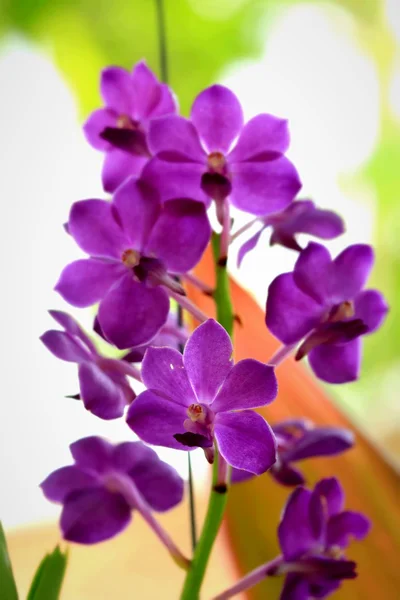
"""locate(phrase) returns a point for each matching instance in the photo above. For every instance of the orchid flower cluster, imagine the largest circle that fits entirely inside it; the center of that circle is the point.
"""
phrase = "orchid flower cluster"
(166, 175)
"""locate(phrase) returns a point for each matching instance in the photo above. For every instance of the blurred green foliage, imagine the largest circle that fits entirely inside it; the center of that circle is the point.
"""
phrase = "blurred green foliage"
(204, 37)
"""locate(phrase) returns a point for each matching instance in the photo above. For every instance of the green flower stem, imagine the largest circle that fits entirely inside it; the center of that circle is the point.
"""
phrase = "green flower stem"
(215, 512)
(218, 495)
(222, 295)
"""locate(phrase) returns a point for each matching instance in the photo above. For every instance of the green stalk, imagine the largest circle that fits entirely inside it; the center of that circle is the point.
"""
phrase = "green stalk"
(215, 512)
(218, 495)
(222, 295)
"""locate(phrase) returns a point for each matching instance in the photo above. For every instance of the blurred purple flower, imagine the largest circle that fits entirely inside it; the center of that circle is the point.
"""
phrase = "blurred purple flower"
(120, 129)
(135, 245)
(299, 439)
(200, 397)
(104, 388)
(313, 534)
(323, 301)
(214, 155)
(106, 483)
(299, 217)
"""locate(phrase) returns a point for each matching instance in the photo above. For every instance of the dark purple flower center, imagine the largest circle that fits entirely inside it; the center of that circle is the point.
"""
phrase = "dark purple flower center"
(128, 135)
(200, 420)
(150, 271)
(338, 327)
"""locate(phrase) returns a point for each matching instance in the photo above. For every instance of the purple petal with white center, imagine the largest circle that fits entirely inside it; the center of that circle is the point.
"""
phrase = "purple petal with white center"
(177, 134)
(208, 359)
(158, 482)
(59, 484)
(138, 207)
(245, 440)
(166, 104)
(249, 384)
(313, 273)
(91, 516)
(155, 418)
(218, 117)
(93, 226)
(294, 531)
(72, 326)
(265, 186)
(337, 363)
(116, 89)
(371, 307)
(131, 314)
(100, 395)
(96, 123)
(119, 165)
(248, 246)
(64, 346)
(176, 179)
(263, 133)
(344, 525)
(291, 314)
(321, 441)
(351, 271)
(294, 588)
(84, 282)
(92, 453)
(146, 92)
(163, 371)
(180, 235)
(332, 493)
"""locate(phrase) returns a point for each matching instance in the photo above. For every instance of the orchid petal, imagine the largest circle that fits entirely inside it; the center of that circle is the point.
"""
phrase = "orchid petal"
(245, 440)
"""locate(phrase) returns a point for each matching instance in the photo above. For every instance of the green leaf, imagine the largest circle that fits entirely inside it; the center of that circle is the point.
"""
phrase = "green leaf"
(8, 587)
(48, 579)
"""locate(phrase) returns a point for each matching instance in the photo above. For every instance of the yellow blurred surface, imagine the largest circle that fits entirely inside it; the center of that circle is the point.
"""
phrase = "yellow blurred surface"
(132, 566)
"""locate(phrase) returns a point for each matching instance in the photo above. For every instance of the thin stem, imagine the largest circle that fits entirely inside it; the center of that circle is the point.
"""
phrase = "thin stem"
(136, 500)
(192, 506)
(162, 40)
(188, 305)
(216, 508)
(243, 229)
(127, 369)
(222, 291)
(203, 287)
(281, 354)
(250, 580)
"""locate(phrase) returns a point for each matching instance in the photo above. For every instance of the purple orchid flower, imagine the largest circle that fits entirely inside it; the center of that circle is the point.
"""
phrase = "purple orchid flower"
(299, 439)
(213, 155)
(120, 129)
(314, 533)
(170, 335)
(301, 216)
(200, 398)
(135, 245)
(104, 387)
(106, 483)
(323, 301)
